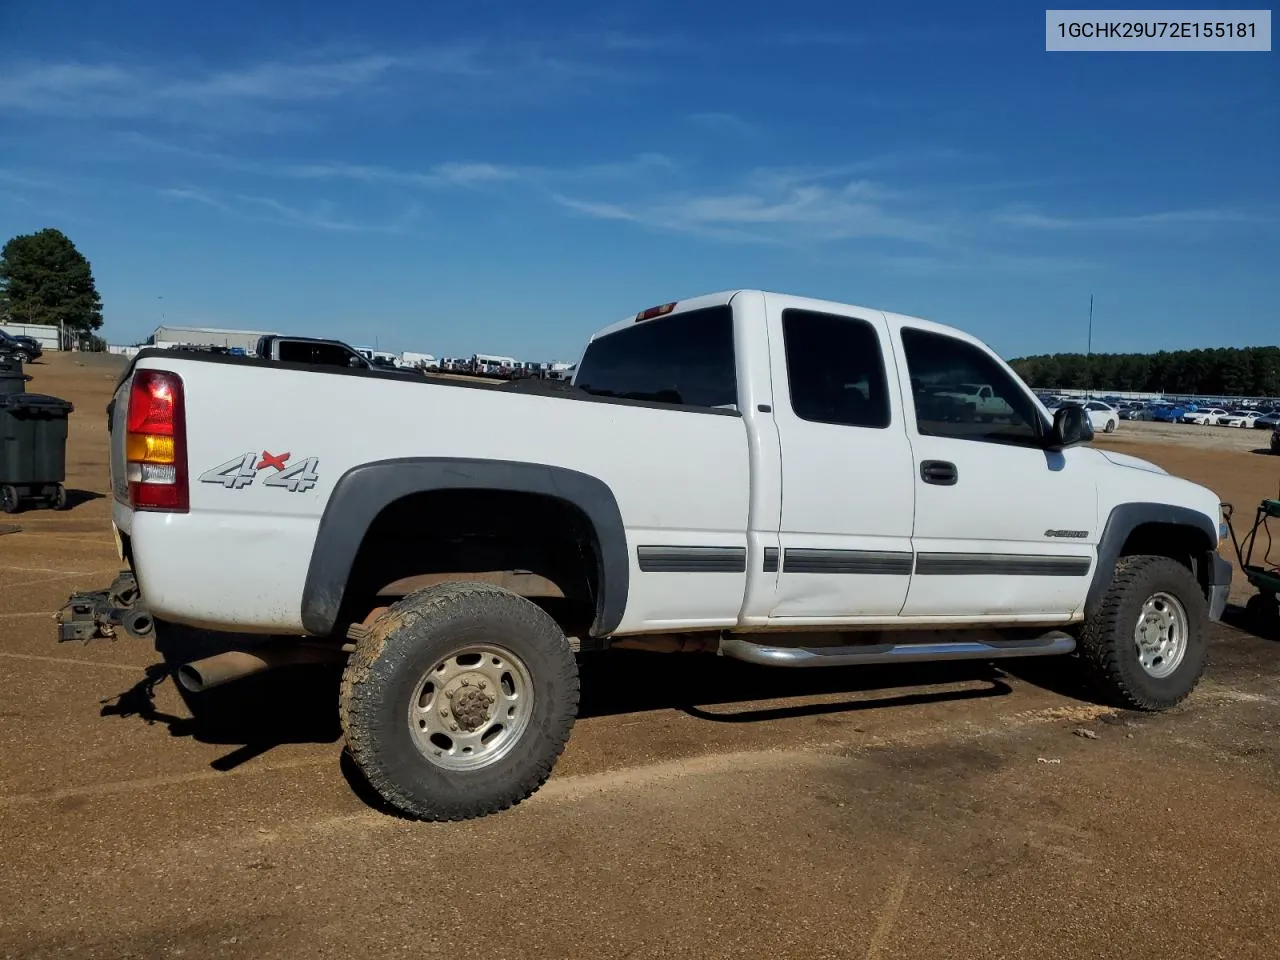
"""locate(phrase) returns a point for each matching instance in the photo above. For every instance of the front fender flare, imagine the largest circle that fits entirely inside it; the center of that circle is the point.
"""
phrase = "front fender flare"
(1123, 520)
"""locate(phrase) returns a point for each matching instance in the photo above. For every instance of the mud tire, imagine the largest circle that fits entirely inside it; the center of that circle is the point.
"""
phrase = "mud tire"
(1107, 646)
(401, 648)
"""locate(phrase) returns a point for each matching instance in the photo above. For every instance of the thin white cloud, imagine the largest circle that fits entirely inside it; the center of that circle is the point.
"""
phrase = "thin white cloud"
(114, 91)
(272, 91)
(194, 196)
(15, 179)
(321, 216)
(778, 206)
(455, 173)
(1034, 220)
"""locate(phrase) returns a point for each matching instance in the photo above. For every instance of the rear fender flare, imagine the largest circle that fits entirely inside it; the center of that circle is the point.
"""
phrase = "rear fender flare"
(364, 491)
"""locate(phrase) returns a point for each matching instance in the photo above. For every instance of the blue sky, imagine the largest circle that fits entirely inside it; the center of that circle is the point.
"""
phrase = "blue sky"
(499, 177)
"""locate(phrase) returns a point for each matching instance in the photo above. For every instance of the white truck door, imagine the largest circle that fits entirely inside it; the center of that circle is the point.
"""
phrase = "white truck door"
(1002, 527)
(847, 497)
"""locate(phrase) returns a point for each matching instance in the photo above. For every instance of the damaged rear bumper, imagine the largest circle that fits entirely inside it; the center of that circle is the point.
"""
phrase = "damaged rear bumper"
(99, 614)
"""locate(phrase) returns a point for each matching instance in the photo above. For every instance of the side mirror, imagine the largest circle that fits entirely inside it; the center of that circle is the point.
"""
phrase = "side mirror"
(355, 363)
(1071, 426)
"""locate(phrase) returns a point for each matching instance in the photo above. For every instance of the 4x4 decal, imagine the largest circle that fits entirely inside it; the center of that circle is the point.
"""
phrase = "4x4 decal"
(243, 470)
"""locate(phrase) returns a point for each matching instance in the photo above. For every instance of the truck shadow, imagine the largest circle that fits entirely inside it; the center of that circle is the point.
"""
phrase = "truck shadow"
(621, 682)
(298, 704)
(255, 715)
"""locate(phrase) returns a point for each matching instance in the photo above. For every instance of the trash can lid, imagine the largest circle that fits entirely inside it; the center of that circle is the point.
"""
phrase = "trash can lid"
(36, 401)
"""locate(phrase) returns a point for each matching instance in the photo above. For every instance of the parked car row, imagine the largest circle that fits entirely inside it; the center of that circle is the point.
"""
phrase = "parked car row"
(1168, 411)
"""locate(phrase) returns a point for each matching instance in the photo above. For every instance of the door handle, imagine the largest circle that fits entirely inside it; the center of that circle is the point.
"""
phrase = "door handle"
(941, 472)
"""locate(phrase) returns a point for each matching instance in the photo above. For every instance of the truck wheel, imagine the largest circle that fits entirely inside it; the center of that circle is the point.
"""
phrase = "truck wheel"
(9, 499)
(458, 701)
(1145, 647)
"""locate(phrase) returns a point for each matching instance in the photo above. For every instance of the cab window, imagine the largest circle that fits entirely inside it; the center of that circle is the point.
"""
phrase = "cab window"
(940, 367)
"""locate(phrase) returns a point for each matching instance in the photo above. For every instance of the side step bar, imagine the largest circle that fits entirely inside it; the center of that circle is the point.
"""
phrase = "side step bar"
(1048, 644)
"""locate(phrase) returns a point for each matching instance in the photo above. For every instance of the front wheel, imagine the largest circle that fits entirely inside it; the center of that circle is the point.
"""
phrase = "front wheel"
(9, 499)
(1145, 647)
(458, 701)
(1110, 427)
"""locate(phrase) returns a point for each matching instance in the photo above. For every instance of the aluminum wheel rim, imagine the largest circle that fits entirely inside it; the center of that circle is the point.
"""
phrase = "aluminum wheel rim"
(1160, 636)
(471, 708)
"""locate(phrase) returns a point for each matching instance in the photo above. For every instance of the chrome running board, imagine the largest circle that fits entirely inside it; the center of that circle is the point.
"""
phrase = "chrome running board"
(1053, 643)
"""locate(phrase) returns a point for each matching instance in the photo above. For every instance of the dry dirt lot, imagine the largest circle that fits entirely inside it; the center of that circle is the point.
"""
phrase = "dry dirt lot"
(702, 809)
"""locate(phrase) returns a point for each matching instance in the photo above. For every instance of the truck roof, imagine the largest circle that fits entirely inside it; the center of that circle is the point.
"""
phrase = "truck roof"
(806, 303)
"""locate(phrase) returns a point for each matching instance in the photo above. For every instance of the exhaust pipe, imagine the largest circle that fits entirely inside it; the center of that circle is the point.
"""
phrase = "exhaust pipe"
(200, 675)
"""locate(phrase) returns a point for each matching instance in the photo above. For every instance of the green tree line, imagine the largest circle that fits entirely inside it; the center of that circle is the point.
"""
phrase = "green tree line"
(1224, 371)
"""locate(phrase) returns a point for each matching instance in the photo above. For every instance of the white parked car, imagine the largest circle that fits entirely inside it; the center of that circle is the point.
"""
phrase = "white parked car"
(1204, 417)
(1245, 418)
(1104, 417)
(726, 474)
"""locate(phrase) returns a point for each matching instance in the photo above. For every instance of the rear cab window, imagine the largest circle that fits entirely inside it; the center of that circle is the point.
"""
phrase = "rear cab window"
(683, 359)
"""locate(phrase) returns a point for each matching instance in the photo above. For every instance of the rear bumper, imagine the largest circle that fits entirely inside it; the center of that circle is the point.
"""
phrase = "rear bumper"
(1219, 585)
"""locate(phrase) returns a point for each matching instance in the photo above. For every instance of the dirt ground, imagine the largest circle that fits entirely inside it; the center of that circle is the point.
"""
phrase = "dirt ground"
(708, 809)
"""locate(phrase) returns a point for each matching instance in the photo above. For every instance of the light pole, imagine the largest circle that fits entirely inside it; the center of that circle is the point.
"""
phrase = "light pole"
(1088, 354)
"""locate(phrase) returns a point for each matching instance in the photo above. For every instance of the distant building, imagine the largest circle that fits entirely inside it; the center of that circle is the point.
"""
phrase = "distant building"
(246, 340)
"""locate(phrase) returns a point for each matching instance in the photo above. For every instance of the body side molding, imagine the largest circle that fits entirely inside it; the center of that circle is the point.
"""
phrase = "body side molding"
(661, 559)
(365, 490)
(1001, 564)
(881, 562)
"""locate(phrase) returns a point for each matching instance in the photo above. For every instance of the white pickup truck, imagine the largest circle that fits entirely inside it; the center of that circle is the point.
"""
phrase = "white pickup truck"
(980, 401)
(761, 476)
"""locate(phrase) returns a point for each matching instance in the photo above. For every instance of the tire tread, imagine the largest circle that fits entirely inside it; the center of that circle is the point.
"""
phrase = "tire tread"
(1104, 645)
(359, 700)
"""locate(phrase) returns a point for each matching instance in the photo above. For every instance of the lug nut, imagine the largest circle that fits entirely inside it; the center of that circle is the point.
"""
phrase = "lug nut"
(444, 713)
(482, 685)
(453, 727)
(466, 683)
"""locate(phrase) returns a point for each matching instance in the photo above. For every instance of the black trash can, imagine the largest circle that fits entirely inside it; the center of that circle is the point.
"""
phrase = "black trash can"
(33, 450)
(12, 379)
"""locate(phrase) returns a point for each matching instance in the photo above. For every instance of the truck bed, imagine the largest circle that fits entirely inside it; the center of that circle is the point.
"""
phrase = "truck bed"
(240, 557)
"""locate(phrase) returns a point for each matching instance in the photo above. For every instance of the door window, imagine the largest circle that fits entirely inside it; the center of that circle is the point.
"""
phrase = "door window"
(835, 369)
(943, 372)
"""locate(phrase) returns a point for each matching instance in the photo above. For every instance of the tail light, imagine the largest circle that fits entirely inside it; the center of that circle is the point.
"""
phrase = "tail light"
(156, 443)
